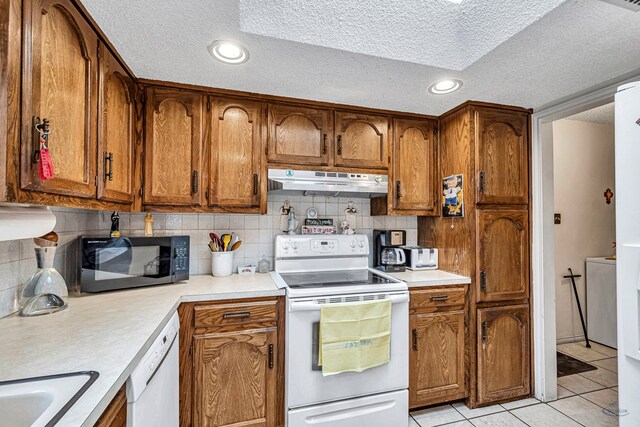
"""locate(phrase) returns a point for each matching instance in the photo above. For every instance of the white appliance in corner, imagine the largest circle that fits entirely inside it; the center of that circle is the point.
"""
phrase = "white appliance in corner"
(152, 388)
(627, 147)
(602, 320)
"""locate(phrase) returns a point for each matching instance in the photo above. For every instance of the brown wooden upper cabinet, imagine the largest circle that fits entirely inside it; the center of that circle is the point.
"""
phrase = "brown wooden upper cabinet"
(116, 130)
(172, 150)
(502, 153)
(300, 135)
(503, 353)
(59, 75)
(235, 179)
(235, 378)
(414, 173)
(502, 255)
(361, 140)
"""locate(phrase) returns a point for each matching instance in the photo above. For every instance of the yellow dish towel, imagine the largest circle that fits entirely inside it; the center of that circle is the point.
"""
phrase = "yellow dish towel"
(354, 336)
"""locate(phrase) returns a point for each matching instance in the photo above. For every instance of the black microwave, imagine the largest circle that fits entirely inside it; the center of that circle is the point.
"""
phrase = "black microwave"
(110, 263)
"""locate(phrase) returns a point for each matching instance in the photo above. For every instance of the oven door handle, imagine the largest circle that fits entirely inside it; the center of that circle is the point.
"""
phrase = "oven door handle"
(312, 306)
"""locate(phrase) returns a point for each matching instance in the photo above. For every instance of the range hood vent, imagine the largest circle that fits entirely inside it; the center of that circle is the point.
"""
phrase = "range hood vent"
(336, 184)
(627, 4)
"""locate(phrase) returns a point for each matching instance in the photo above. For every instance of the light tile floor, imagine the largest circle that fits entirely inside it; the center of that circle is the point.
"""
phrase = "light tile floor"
(589, 399)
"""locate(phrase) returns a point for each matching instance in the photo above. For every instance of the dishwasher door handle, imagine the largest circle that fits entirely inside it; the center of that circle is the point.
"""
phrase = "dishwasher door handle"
(315, 306)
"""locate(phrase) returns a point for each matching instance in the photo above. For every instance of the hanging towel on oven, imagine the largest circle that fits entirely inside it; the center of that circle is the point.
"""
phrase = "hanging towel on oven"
(354, 336)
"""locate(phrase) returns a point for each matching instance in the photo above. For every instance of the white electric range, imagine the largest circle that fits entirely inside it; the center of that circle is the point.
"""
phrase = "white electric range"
(317, 270)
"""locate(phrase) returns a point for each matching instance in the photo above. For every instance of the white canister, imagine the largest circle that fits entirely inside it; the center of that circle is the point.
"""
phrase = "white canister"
(221, 264)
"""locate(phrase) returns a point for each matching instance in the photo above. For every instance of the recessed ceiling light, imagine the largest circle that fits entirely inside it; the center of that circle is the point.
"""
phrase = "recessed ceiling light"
(228, 52)
(445, 86)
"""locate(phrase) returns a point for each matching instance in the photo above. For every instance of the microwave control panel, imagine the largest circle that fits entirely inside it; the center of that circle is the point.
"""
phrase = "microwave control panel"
(181, 255)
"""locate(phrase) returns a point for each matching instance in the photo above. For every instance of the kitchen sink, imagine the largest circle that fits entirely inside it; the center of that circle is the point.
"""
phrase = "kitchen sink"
(41, 401)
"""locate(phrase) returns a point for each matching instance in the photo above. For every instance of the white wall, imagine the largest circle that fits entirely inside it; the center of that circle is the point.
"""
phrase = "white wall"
(583, 158)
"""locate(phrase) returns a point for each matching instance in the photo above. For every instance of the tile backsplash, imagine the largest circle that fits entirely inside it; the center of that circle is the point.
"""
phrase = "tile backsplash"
(17, 258)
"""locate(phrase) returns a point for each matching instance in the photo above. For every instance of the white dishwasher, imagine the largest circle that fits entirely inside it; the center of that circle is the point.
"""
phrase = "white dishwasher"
(152, 388)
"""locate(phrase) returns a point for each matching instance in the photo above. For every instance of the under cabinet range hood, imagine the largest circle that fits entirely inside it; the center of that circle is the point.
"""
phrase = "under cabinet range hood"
(342, 184)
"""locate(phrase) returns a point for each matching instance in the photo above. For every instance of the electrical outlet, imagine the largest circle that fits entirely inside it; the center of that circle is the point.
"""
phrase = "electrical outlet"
(557, 218)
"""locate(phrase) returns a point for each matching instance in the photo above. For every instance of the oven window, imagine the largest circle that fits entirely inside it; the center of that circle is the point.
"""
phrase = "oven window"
(123, 262)
(315, 346)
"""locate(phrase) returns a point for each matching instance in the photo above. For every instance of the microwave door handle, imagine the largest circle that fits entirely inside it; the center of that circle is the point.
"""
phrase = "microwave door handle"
(312, 306)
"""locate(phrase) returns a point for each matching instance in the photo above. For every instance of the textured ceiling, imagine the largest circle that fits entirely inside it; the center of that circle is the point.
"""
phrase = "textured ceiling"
(436, 33)
(575, 46)
(603, 114)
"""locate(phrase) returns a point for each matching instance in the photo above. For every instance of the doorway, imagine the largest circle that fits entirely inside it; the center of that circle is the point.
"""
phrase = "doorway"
(585, 271)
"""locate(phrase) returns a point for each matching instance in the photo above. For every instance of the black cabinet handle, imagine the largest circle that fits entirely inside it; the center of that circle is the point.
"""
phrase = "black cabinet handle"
(439, 298)
(324, 143)
(194, 182)
(43, 131)
(482, 183)
(483, 281)
(255, 183)
(108, 171)
(340, 145)
(270, 356)
(398, 192)
(414, 339)
(236, 315)
(484, 332)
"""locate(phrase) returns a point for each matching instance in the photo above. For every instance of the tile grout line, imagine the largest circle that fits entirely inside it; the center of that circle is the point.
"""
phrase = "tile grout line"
(518, 418)
(566, 415)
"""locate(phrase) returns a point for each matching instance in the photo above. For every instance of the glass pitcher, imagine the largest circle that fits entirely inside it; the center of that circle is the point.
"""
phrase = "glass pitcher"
(45, 291)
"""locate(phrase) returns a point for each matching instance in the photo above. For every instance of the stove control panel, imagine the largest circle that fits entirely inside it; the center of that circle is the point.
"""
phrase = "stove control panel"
(317, 246)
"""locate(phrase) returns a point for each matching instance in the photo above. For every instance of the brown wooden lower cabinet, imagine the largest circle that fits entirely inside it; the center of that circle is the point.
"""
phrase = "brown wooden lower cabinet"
(437, 354)
(503, 340)
(116, 413)
(231, 368)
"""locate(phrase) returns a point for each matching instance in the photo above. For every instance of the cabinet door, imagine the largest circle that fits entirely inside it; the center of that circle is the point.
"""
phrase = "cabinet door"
(116, 129)
(235, 379)
(173, 141)
(502, 255)
(116, 413)
(299, 135)
(414, 166)
(361, 140)
(503, 353)
(59, 84)
(502, 153)
(236, 153)
(436, 358)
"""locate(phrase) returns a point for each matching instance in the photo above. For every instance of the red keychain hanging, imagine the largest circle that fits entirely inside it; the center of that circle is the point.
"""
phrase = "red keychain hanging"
(45, 165)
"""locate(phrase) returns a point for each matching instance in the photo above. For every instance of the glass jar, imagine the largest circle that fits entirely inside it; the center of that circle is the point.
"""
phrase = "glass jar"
(46, 290)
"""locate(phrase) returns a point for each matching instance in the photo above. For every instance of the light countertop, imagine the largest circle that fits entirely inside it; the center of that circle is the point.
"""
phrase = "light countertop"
(108, 333)
(420, 278)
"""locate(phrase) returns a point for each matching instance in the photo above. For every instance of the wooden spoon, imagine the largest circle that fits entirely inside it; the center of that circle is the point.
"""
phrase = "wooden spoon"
(236, 245)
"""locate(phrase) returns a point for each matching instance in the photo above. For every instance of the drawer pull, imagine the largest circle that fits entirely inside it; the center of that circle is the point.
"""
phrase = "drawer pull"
(439, 298)
(414, 339)
(482, 183)
(270, 356)
(483, 281)
(236, 315)
(339, 145)
(324, 143)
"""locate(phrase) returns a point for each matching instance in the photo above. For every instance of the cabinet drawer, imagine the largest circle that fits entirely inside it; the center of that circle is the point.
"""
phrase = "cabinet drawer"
(448, 297)
(257, 312)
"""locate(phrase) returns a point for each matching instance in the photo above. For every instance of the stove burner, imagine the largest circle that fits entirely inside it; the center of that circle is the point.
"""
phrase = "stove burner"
(320, 279)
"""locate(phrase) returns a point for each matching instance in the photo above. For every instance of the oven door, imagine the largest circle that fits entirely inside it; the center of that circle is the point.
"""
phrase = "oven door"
(305, 383)
(125, 262)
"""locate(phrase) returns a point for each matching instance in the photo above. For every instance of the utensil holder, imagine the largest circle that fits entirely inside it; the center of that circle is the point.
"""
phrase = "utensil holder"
(221, 264)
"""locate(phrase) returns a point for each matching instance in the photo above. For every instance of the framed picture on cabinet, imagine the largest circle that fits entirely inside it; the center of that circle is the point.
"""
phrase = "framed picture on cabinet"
(453, 196)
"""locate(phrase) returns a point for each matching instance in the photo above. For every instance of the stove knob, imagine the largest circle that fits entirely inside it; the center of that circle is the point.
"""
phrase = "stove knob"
(361, 244)
(294, 245)
(353, 244)
(285, 246)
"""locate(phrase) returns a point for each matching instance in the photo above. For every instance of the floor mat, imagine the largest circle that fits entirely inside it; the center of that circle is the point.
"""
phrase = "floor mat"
(568, 365)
